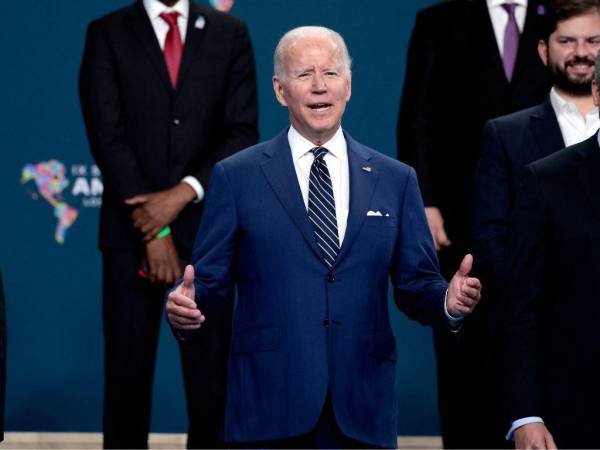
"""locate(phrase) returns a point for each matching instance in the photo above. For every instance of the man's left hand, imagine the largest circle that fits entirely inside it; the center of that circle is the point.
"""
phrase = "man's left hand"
(158, 209)
(464, 292)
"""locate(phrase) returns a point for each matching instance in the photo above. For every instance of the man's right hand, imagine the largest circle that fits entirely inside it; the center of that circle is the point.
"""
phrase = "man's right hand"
(436, 226)
(182, 311)
(534, 436)
(163, 262)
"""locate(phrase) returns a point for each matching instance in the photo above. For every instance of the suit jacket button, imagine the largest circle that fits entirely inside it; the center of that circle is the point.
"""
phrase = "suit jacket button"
(326, 323)
(176, 122)
(330, 278)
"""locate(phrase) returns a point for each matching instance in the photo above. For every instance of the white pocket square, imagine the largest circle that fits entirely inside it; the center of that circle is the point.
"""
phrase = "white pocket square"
(374, 213)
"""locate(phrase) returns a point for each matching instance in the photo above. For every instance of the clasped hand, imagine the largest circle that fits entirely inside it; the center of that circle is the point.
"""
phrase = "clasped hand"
(156, 210)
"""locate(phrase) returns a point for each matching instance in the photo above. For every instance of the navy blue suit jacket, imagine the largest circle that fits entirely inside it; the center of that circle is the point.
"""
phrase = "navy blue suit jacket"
(509, 143)
(301, 329)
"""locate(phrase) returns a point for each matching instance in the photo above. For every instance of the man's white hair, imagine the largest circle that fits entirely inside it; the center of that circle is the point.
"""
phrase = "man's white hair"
(309, 31)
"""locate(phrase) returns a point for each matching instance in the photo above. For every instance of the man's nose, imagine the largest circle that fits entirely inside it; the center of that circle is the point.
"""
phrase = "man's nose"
(583, 48)
(319, 84)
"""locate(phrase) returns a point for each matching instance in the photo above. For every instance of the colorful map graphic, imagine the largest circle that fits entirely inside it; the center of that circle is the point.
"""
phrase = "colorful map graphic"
(50, 180)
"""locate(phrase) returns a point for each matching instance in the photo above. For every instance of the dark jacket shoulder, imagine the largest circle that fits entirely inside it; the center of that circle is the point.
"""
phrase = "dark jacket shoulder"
(560, 162)
(518, 117)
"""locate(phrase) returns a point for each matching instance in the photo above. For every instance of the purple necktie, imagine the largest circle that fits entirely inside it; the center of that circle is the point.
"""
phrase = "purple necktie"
(511, 41)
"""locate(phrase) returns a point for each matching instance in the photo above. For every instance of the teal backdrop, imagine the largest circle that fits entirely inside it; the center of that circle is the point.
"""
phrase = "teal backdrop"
(55, 348)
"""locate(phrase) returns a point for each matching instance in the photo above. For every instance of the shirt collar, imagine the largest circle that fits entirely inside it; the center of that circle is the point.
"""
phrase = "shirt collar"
(497, 3)
(300, 146)
(154, 8)
(560, 105)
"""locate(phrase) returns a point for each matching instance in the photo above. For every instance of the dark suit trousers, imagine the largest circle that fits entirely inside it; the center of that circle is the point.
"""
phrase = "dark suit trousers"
(325, 434)
(468, 382)
(132, 311)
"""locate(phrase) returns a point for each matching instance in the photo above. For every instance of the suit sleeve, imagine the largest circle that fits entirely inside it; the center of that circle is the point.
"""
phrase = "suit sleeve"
(216, 242)
(419, 289)
(412, 130)
(104, 117)
(491, 208)
(240, 107)
(524, 277)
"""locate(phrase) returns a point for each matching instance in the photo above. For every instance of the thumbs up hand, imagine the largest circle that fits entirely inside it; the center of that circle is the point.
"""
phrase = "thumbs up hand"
(182, 311)
(464, 292)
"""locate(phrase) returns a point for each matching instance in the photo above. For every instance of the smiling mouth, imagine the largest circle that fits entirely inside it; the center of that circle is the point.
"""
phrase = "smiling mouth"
(319, 106)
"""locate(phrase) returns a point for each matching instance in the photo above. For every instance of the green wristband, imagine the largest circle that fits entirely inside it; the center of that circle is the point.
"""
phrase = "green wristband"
(164, 232)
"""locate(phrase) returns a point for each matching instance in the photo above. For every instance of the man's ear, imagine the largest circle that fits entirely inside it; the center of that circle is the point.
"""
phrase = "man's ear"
(278, 88)
(542, 49)
(349, 87)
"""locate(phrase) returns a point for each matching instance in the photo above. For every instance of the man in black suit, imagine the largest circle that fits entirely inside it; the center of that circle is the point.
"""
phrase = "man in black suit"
(511, 142)
(167, 89)
(458, 77)
(551, 307)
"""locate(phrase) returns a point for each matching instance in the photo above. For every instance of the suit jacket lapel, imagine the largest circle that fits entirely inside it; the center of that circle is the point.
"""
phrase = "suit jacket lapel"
(281, 175)
(546, 131)
(587, 169)
(363, 179)
(140, 24)
(193, 40)
(485, 42)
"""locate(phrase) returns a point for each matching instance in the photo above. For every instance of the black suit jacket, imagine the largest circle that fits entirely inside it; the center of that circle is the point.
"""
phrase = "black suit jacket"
(145, 135)
(552, 301)
(508, 144)
(454, 83)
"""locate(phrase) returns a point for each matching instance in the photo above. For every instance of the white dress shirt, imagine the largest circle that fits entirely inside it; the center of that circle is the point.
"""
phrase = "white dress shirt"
(573, 126)
(499, 18)
(337, 164)
(154, 9)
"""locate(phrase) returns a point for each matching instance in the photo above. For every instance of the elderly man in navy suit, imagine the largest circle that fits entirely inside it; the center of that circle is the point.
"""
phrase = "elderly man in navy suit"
(309, 227)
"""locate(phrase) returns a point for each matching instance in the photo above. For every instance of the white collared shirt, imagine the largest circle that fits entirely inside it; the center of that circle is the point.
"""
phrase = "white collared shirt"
(499, 18)
(154, 9)
(573, 126)
(337, 164)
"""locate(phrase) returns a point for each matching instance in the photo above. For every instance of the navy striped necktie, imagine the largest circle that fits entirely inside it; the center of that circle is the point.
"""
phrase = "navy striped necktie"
(321, 207)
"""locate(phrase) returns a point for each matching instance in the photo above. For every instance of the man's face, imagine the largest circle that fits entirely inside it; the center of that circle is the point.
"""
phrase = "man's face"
(315, 88)
(571, 52)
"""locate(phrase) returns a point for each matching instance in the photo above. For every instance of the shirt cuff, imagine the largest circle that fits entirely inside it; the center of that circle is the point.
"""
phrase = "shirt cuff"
(454, 321)
(519, 423)
(196, 186)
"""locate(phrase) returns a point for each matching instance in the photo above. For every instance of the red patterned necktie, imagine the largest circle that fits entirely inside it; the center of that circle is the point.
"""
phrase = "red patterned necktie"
(173, 46)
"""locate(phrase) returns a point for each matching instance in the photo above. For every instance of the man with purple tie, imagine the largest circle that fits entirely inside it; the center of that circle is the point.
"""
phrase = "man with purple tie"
(468, 61)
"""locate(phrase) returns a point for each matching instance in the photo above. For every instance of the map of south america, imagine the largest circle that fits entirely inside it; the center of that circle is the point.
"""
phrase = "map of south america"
(50, 180)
